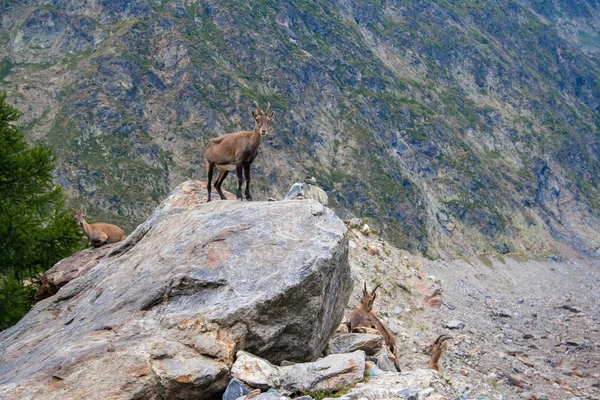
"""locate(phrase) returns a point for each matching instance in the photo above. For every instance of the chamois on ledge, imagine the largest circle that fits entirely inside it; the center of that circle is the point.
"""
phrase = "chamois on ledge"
(98, 233)
(364, 316)
(237, 151)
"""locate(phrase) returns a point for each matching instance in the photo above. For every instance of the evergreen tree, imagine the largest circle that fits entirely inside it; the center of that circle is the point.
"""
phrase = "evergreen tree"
(35, 232)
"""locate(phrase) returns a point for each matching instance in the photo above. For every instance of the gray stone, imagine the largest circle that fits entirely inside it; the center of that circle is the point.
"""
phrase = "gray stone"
(349, 342)
(305, 191)
(157, 313)
(333, 372)
(384, 362)
(455, 324)
(234, 390)
(354, 223)
(409, 394)
(565, 371)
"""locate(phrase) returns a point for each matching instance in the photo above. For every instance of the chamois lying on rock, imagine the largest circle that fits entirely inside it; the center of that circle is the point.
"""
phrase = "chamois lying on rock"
(364, 316)
(98, 233)
(237, 151)
(435, 351)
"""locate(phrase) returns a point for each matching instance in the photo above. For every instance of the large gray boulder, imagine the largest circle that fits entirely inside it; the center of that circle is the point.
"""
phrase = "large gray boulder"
(165, 312)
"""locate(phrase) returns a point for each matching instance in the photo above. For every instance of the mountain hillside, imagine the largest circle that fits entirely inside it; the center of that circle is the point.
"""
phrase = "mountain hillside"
(461, 127)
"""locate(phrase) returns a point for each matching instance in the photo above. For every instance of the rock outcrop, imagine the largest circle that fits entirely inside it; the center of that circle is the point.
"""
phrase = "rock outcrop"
(70, 268)
(166, 311)
(332, 373)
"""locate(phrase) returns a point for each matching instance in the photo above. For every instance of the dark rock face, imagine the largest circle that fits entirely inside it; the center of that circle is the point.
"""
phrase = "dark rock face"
(166, 310)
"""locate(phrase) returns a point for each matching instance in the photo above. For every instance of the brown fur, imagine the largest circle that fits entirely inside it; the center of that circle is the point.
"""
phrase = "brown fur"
(99, 233)
(237, 149)
(435, 351)
(364, 316)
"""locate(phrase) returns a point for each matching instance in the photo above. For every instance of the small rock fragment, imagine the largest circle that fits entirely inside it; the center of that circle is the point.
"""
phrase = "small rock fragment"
(455, 324)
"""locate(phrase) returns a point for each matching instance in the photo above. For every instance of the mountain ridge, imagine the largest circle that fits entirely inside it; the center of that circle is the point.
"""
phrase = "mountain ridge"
(459, 128)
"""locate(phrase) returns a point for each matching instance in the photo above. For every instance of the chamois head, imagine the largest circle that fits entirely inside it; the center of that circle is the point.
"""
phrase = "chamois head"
(437, 345)
(262, 119)
(366, 303)
(79, 216)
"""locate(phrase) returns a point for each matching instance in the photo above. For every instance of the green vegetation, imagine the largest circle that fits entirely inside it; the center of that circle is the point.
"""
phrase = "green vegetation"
(323, 394)
(35, 230)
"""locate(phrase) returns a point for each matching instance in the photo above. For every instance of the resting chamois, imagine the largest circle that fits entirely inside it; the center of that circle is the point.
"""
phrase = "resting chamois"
(236, 151)
(435, 351)
(364, 316)
(99, 233)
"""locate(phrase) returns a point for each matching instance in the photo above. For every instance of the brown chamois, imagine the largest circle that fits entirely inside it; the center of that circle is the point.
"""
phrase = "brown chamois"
(364, 316)
(236, 151)
(99, 233)
(435, 351)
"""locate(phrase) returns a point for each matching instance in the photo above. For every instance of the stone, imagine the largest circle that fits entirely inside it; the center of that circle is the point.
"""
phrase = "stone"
(333, 372)
(502, 314)
(306, 191)
(190, 194)
(384, 362)
(157, 313)
(365, 230)
(454, 324)
(349, 342)
(71, 268)
(372, 250)
(516, 380)
(235, 389)
(525, 360)
(371, 369)
(565, 371)
(354, 223)
(409, 394)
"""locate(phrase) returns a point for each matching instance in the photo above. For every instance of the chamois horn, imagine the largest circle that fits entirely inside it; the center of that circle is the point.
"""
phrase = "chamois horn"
(376, 287)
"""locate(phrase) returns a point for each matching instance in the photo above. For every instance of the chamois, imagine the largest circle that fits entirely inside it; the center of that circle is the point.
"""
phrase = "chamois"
(237, 151)
(98, 233)
(435, 351)
(364, 316)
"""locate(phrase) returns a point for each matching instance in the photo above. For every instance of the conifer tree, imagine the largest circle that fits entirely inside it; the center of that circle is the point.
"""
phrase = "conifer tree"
(35, 232)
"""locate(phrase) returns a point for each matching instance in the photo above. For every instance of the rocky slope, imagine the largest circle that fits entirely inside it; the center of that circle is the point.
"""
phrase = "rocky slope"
(461, 127)
(521, 329)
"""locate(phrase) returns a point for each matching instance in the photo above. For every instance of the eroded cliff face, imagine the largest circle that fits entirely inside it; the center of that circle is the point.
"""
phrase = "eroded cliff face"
(461, 127)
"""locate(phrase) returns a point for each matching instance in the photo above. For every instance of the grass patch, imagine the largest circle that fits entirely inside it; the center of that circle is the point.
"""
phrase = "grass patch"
(323, 394)
(485, 260)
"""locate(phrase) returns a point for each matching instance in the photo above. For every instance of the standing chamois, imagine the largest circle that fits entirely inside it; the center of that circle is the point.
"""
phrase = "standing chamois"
(364, 316)
(236, 151)
(435, 351)
(99, 233)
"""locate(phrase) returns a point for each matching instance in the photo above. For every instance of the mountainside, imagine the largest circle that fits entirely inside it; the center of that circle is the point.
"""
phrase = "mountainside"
(461, 127)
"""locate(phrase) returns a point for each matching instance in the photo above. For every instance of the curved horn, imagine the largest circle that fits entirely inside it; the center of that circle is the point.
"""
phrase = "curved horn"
(376, 287)
(365, 292)
(257, 107)
(441, 339)
(268, 107)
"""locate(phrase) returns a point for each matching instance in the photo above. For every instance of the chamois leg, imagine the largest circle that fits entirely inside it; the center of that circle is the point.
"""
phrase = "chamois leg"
(219, 182)
(247, 174)
(238, 170)
(211, 169)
